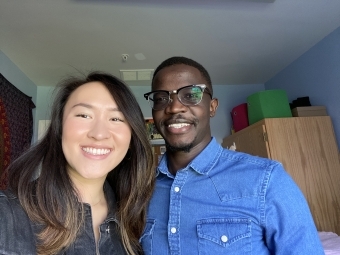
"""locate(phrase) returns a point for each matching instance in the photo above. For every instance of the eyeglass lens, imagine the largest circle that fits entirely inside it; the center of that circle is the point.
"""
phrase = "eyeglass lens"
(187, 96)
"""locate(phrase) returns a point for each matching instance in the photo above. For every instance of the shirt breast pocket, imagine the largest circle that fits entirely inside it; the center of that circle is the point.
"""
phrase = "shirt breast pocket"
(224, 236)
(146, 239)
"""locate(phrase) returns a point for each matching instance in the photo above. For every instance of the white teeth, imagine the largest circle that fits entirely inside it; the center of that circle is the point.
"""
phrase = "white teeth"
(179, 125)
(95, 151)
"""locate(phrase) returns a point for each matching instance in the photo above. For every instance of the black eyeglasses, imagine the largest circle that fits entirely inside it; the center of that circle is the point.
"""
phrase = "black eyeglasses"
(188, 95)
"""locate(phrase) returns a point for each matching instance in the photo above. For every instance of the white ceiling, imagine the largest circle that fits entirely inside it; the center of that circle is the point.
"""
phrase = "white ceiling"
(238, 41)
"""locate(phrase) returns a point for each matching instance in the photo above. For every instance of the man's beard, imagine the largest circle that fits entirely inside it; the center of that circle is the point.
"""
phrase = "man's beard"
(185, 148)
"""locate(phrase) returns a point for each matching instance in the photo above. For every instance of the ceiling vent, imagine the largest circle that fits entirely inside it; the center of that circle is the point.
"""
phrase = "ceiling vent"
(136, 74)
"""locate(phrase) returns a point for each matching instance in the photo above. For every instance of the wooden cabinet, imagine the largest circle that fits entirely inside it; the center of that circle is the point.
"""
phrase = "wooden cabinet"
(307, 148)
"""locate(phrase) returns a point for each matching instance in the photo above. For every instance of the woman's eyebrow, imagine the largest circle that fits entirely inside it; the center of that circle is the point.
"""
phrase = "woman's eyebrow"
(83, 105)
(89, 106)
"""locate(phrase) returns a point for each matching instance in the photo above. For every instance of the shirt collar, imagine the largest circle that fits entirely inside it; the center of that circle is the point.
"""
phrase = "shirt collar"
(201, 164)
(111, 202)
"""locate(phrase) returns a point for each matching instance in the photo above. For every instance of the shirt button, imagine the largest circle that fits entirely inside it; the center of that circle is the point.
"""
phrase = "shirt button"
(224, 238)
(176, 189)
(173, 230)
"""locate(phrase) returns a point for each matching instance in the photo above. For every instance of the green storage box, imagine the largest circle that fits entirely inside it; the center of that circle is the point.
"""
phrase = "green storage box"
(268, 104)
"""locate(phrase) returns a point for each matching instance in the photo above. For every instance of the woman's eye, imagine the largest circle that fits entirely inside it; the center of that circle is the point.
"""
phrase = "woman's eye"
(83, 116)
(117, 119)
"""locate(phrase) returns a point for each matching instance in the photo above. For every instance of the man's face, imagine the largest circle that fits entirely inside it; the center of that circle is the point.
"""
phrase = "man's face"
(183, 127)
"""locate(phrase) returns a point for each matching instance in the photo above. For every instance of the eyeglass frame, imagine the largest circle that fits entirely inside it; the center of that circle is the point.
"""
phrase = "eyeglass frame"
(203, 87)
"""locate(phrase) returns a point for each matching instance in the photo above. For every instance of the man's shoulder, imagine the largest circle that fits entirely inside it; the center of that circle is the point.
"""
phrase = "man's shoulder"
(235, 157)
(238, 165)
(228, 156)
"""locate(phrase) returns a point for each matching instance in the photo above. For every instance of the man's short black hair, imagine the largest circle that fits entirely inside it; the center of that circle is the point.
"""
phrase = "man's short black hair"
(185, 61)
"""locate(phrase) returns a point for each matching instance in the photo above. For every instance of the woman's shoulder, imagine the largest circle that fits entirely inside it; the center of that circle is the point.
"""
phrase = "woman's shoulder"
(7, 193)
(8, 197)
(11, 211)
(15, 226)
(9, 201)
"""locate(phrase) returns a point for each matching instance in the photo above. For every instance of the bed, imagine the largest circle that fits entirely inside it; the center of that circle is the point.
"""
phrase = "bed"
(330, 242)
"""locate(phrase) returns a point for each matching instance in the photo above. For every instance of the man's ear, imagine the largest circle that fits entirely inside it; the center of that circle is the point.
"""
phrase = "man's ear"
(213, 106)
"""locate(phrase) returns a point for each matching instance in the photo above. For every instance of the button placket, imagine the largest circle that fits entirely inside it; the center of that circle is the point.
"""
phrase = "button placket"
(174, 210)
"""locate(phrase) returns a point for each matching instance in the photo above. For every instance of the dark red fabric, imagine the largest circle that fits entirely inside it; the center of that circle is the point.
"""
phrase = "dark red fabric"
(239, 115)
(16, 125)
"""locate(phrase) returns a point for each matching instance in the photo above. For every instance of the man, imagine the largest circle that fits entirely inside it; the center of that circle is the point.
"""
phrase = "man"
(210, 200)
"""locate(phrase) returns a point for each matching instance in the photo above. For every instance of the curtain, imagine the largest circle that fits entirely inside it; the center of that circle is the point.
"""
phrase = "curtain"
(16, 125)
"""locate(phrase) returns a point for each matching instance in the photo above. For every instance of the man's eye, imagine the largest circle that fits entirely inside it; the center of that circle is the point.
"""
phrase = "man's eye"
(191, 95)
(160, 99)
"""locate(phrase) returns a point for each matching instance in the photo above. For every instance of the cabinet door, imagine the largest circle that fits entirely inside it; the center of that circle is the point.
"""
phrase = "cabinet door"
(251, 140)
(307, 148)
(259, 142)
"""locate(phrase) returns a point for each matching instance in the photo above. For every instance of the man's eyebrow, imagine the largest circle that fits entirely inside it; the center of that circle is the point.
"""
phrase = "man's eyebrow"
(91, 107)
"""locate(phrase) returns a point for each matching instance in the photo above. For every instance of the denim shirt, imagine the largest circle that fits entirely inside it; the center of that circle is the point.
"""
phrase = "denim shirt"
(227, 202)
(17, 232)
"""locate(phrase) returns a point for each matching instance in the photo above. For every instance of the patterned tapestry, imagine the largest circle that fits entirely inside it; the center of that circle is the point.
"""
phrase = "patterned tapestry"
(16, 125)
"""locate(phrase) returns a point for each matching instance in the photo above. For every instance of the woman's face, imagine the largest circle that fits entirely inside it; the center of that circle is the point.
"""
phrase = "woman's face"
(95, 135)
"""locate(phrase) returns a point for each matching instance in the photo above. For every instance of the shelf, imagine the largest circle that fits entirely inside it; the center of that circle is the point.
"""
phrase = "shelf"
(157, 141)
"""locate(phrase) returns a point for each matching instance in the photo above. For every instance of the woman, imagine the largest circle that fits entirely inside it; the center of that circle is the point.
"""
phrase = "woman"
(95, 176)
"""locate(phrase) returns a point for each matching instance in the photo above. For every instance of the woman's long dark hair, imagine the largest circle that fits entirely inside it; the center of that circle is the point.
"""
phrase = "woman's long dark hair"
(40, 180)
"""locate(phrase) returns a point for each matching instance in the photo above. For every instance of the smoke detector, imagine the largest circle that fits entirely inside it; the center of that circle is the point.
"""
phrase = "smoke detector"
(125, 57)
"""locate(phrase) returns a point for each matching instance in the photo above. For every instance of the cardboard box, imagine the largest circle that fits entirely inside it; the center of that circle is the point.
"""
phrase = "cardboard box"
(307, 111)
(268, 104)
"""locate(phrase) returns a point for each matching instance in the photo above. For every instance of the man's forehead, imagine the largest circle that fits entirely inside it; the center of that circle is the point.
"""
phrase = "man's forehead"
(179, 75)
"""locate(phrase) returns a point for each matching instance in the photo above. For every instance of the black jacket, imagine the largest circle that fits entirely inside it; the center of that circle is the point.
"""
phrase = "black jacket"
(17, 231)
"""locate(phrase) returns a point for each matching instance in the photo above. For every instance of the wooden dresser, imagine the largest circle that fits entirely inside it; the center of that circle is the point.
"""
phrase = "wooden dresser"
(308, 150)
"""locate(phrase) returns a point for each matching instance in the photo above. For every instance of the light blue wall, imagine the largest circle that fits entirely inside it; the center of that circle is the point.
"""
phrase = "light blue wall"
(15, 76)
(315, 74)
(44, 102)
(229, 96)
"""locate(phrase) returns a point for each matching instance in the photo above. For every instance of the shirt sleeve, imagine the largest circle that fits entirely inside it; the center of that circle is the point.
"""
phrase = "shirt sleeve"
(289, 226)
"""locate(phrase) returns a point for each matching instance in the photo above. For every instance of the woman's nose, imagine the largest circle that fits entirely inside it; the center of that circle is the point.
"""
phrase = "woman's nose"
(99, 130)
